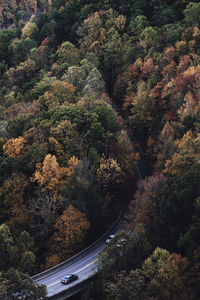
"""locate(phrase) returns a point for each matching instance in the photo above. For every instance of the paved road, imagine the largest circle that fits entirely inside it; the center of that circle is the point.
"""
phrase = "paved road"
(84, 267)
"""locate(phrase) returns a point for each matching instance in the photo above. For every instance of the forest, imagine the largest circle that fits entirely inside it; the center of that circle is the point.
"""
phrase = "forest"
(88, 89)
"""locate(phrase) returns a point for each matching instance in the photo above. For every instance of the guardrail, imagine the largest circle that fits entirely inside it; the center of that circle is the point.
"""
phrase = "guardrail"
(77, 256)
(67, 293)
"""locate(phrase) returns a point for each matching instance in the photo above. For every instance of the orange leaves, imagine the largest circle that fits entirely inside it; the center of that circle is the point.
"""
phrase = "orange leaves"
(128, 101)
(133, 72)
(169, 71)
(57, 146)
(72, 163)
(169, 53)
(49, 175)
(45, 41)
(15, 148)
(59, 88)
(184, 63)
(147, 67)
(156, 91)
(70, 227)
(51, 261)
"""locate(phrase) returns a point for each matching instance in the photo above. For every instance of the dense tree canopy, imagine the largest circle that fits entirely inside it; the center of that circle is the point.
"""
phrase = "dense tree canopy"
(90, 92)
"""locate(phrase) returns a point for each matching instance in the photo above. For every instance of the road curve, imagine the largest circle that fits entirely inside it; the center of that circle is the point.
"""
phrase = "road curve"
(82, 264)
(84, 267)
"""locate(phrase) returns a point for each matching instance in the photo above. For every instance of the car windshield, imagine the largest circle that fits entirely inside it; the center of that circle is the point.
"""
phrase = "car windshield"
(67, 277)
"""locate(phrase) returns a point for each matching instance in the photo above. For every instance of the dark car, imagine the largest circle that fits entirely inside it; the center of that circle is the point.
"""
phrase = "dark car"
(69, 278)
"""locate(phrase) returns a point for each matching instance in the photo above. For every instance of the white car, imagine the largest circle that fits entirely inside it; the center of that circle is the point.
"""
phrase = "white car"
(109, 238)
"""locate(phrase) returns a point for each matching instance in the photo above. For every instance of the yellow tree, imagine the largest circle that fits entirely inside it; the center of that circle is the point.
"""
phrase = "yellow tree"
(110, 172)
(29, 30)
(185, 156)
(15, 148)
(49, 175)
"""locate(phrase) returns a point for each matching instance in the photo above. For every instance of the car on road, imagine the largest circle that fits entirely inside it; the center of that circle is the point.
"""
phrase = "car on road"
(69, 278)
(109, 238)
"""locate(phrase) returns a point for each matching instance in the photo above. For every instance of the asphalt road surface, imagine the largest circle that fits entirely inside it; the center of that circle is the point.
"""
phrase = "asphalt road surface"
(83, 267)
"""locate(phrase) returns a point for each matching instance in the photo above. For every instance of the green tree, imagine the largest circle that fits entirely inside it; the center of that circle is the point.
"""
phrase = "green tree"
(42, 86)
(25, 242)
(14, 283)
(6, 37)
(94, 84)
(68, 53)
(165, 275)
(150, 37)
(75, 76)
(162, 276)
(7, 249)
(127, 286)
(192, 14)
(138, 24)
(22, 73)
(27, 262)
(176, 207)
(20, 49)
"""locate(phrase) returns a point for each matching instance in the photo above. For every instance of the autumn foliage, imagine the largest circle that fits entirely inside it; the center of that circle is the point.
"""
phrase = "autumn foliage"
(50, 175)
(15, 148)
(94, 97)
(70, 228)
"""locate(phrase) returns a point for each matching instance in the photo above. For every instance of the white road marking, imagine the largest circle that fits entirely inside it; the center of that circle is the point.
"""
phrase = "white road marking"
(74, 272)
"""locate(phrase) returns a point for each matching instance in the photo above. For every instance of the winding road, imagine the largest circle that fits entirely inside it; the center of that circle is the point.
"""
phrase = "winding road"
(82, 264)
(84, 267)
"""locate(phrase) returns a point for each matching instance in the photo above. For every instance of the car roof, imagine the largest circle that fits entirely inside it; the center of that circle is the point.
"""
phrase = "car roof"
(67, 276)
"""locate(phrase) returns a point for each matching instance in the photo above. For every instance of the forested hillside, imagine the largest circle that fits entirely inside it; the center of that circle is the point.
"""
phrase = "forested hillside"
(87, 89)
